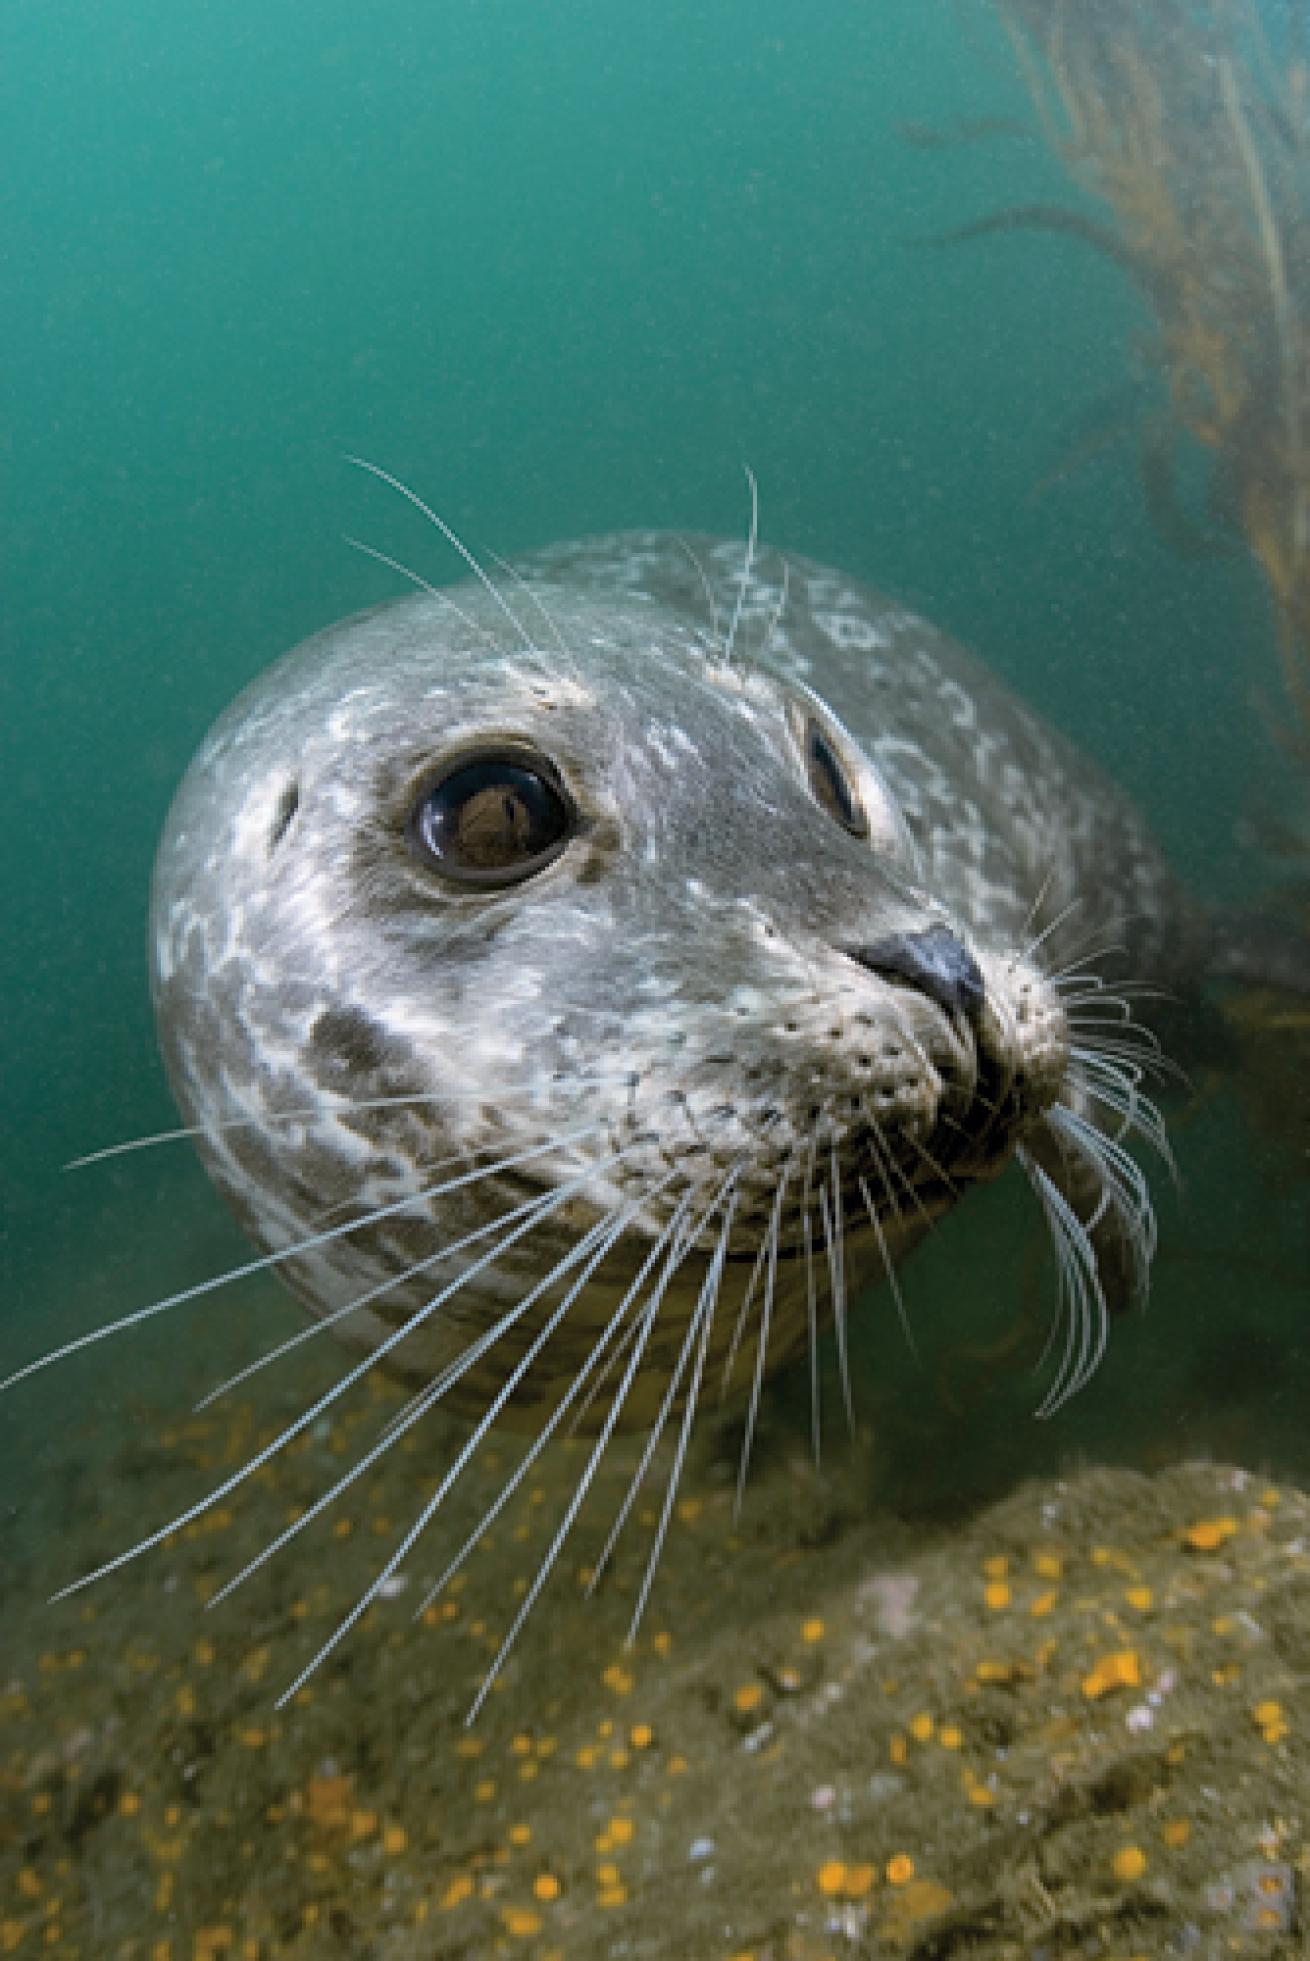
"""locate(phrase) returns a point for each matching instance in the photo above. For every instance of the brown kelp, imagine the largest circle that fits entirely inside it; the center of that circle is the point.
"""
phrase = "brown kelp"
(1190, 121)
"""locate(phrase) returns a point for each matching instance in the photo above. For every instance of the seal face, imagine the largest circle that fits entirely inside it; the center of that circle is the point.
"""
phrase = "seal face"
(583, 986)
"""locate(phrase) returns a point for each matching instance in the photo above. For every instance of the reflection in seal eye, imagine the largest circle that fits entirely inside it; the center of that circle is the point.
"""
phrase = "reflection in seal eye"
(492, 820)
(830, 783)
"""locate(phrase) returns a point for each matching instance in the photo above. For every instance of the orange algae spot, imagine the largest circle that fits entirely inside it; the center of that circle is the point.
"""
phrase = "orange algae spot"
(618, 1679)
(521, 1920)
(546, 1887)
(1120, 1670)
(484, 1792)
(459, 1889)
(641, 1736)
(394, 1840)
(212, 1940)
(1129, 1863)
(469, 1746)
(1208, 1534)
(1271, 1720)
(749, 1696)
(1043, 1605)
(662, 1642)
(621, 1830)
(1048, 1566)
(922, 1899)
(898, 1749)
(520, 1834)
(1176, 1831)
(860, 1880)
(813, 1630)
(1139, 1597)
(922, 1727)
(689, 1510)
(951, 1736)
(676, 1766)
(831, 1878)
(900, 1869)
(327, 1802)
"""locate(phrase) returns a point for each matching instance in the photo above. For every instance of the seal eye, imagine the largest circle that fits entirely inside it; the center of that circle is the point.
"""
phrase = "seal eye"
(492, 820)
(832, 787)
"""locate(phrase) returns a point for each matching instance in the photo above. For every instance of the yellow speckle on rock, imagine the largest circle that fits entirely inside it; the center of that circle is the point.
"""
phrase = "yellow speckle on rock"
(831, 1878)
(747, 1698)
(641, 1736)
(1120, 1670)
(951, 1736)
(997, 1594)
(520, 1834)
(1176, 1831)
(860, 1880)
(900, 1869)
(1043, 1604)
(1129, 1863)
(1048, 1566)
(812, 1630)
(459, 1890)
(394, 1840)
(546, 1887)
(621, 1830)
(996, 1567)
(521, 1920)
(922, 1727)
(617, 1679)
(1139, 1597)
(1208, 1534)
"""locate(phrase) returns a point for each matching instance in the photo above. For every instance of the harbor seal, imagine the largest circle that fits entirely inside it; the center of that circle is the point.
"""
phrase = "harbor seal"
(583, 984)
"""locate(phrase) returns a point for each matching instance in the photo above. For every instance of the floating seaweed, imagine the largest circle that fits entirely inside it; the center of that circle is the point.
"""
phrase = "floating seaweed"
(1190, 121)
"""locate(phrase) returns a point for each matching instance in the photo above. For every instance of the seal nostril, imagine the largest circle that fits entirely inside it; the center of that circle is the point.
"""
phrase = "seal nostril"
(935, 962)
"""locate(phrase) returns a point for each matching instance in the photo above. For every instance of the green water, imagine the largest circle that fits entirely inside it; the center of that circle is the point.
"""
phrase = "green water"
(562, 268)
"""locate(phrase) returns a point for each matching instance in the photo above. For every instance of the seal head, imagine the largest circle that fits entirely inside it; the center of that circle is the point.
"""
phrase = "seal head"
(583, 999)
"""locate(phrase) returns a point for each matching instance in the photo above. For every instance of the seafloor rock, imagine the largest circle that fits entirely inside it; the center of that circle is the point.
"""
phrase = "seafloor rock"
(1075, 1725)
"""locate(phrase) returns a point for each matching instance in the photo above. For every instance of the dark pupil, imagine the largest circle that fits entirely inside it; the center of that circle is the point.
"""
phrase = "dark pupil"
(828, 782)
(492, 817)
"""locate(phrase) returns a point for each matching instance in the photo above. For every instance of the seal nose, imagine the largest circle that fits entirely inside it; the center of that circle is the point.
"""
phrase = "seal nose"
(934, 961)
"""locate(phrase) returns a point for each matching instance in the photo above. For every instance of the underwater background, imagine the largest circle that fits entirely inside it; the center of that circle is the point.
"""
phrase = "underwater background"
(563, 268)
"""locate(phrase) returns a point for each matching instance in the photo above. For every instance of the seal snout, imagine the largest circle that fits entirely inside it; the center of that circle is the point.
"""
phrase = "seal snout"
(934, 962)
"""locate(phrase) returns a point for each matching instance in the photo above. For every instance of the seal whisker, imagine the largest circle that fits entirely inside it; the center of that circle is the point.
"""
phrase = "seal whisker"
(704, 1313)
(775, 617)
(456, 543)
(836, 1282)
(1082, 1300)
(812, 1303)
(711, 604)
(747, 564)
(706, 1302)
(1053, 926)
(321, 1324)
(284, 1253)
(560, 1197)
(589, 1251)
(415, 578)
(889, 1268)
(669, 1246)
(762, 1337)
(533, 598)
(321, 1111)
(551, 1555)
